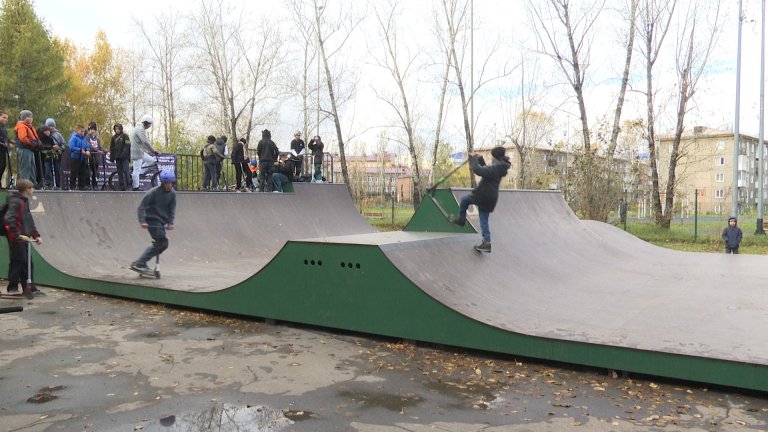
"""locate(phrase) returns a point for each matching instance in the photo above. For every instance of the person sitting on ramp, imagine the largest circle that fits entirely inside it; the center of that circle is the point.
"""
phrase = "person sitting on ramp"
(157, 212)
(485, 195)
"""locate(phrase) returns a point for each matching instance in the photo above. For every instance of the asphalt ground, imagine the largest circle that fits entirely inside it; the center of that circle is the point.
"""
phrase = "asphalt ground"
(79, 362)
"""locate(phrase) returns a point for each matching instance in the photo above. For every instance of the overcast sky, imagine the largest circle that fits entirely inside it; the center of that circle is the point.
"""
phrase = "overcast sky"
(79, 20)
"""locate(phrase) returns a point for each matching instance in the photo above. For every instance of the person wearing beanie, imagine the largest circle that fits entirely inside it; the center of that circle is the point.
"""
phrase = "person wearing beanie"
(52, 164)
(486, 194)
(27, 142)
(268, 154)
(732, 236)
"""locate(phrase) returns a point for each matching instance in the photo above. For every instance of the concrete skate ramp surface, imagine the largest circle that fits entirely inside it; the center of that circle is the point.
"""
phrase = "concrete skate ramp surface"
(554, 276)
(220, 238)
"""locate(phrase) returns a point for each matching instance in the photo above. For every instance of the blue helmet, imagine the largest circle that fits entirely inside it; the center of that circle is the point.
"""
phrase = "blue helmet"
(167, 176)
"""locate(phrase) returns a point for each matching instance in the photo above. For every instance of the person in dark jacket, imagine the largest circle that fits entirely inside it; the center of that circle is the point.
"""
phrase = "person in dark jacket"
(298, 149)
(5, 148)
(120, 154)
(240, 162)
(156, 212)
(94, 161)
(485, 195)
(43, 155)
(732, 236)
(268, 153)
(52, 165)
(20, 228)
(317, 146)
(284, 174)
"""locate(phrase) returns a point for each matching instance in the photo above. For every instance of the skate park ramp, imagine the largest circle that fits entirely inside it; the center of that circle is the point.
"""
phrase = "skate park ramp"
(553, 276)
(220, 238)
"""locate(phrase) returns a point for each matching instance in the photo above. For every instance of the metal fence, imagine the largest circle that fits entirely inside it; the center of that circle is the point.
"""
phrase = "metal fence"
(189, 172)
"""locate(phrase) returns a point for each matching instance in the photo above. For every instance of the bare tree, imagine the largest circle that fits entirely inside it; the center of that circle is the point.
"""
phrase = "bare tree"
(240, 74)
(459, 41)
(654, 22)
(332, 36)
(692, 55)
(167, 41)
(446, 63)
(400, 66)
(566, 35)
(631, 19)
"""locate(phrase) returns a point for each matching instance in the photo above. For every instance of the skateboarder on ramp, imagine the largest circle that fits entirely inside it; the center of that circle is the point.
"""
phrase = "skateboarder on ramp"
(485, 195)
(157, 212)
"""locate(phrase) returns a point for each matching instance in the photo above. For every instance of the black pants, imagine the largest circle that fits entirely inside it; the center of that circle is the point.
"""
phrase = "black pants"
(732, 250)
(78, 174)
(238, 175)
(17, 265)
(4, 164)
(297, 165)
(123, 174)
(93, 166)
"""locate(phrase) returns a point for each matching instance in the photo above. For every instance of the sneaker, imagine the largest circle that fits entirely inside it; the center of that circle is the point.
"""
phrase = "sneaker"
(456, 220)
(139, 267)
(13, 290)
(136, 189)
(484, 247)
(36, 291)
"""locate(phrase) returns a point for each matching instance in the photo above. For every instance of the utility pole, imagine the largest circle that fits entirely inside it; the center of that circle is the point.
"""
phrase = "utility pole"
(760, 148)
(735, 172)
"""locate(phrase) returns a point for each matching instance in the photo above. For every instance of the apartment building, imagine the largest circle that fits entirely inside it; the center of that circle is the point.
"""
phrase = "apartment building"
(705, 167)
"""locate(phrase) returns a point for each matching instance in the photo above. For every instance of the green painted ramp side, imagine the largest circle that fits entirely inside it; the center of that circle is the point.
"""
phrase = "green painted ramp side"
(429, 218)
(355, 287)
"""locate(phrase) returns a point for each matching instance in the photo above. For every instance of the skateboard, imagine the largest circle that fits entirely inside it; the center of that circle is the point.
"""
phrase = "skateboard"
(152, 273)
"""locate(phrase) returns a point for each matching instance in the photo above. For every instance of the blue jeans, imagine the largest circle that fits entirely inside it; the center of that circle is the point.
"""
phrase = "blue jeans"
(485, 229)
(278, 180)
(52, 171)
(159, 244)
(318, 171)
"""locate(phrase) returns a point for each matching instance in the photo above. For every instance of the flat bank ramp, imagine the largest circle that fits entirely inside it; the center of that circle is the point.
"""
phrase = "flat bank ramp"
(554, 276)
(220, 238)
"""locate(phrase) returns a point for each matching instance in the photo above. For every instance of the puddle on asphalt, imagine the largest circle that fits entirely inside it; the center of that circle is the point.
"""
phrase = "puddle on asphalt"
(225, 418)
(389, 401)
(159, 334)
(471, 395)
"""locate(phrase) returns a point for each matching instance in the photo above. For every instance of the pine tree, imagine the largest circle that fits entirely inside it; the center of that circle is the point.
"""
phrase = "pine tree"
(32, 74)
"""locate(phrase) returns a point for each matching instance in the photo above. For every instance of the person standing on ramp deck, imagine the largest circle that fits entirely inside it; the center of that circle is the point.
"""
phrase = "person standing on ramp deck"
(485, 195)
(157, 212)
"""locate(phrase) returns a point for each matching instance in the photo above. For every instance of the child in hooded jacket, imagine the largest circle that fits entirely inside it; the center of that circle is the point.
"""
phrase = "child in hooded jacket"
(732, 236)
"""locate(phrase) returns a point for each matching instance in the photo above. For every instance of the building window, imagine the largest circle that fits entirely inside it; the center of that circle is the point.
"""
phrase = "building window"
(671, 146)
(720, 160)
(719, 193)
(720, 177)
(721, 145)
